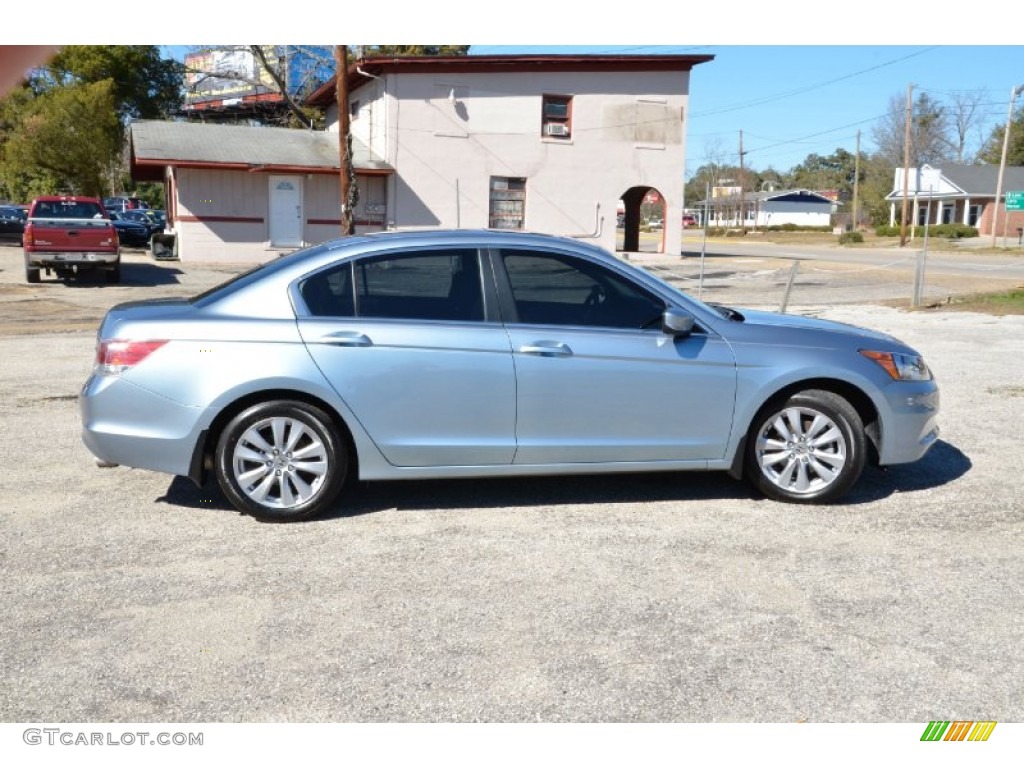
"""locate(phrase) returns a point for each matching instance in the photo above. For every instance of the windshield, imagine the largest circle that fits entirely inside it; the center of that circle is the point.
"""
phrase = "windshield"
(67, 209)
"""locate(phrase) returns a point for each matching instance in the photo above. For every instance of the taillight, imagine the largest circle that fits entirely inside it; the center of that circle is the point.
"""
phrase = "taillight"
(115, 356)
(27, 236)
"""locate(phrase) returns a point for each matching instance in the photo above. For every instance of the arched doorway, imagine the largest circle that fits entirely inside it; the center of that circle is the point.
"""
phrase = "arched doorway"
(641, 220)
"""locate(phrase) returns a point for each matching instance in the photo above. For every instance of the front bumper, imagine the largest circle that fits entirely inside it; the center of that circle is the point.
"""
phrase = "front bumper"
(910, 428)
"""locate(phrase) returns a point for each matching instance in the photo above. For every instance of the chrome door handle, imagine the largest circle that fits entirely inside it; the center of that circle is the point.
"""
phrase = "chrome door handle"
(346, 339)
(547, 349)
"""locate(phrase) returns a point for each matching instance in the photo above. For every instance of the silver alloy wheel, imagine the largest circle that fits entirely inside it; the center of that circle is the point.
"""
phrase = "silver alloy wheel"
(800, 450)
(280, 462)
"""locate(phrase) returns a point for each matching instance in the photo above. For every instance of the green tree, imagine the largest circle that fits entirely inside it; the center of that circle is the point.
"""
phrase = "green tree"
(63, 140)
(992, 150)
(876, 181)
(817, 172)
(64, 130)
(145, 85)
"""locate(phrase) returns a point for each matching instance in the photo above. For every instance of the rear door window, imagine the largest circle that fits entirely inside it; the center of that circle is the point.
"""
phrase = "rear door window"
(422, 285)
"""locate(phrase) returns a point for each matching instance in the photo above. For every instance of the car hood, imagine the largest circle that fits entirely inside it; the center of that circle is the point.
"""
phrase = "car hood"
(777, 320)
(772, 328)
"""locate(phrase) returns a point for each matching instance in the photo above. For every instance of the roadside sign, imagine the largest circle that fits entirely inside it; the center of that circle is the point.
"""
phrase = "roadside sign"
(1015, 201)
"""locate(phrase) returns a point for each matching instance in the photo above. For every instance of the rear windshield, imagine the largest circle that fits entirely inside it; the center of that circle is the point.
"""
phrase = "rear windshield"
(67, 209)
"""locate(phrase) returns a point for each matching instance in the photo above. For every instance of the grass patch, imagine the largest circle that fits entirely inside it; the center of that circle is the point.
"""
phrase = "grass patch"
(1004, 303)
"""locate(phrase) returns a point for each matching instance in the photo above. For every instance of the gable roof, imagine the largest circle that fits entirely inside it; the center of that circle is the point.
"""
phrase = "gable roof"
(155, 144)
(784, 195)
(791, 195)
(363, 70)
(982, 179)
(977, 181)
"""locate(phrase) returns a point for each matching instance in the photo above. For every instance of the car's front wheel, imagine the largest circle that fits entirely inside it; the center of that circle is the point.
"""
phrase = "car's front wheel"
(810, 447)
(281, 461)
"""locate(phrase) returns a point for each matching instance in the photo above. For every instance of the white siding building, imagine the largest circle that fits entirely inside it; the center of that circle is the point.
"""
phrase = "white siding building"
(543, 143)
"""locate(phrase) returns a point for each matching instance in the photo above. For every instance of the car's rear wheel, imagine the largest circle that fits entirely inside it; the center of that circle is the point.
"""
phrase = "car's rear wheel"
(114, 275)
(281, 461)
(810, 447)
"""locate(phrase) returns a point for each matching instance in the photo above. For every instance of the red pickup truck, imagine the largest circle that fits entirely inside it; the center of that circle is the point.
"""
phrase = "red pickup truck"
(69, 236)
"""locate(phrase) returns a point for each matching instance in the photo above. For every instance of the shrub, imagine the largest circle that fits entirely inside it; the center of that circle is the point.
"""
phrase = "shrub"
(851, 237)
(790, 227)
(953, 231)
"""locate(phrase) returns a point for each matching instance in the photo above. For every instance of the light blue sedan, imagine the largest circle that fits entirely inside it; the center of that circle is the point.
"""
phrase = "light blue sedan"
(444, 354)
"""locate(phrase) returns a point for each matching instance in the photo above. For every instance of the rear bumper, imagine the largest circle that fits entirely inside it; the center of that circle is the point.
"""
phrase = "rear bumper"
(64, 260)
(125, 424)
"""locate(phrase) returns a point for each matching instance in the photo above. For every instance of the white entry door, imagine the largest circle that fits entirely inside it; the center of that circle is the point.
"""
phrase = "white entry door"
(285, 211)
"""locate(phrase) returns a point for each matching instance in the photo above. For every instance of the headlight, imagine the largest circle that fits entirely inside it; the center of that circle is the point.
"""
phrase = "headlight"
(901, 367)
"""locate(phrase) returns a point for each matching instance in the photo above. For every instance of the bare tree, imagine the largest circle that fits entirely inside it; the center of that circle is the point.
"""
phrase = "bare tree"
(272, 69)
(929, 132)
(965, 114)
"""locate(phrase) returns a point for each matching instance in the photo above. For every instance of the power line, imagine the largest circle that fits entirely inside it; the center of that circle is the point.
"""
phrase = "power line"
(798, 91)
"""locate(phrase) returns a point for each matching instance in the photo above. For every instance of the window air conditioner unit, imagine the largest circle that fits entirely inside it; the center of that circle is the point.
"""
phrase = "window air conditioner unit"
(556, 129)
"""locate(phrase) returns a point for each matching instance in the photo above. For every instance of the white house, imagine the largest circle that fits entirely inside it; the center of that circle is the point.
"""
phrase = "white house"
(801, 207)
(543, 143)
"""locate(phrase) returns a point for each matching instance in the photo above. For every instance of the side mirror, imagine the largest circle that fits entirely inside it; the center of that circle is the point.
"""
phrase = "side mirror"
(676, 323)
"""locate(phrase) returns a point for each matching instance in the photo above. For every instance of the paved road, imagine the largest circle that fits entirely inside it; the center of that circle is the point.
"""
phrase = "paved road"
(758, 274)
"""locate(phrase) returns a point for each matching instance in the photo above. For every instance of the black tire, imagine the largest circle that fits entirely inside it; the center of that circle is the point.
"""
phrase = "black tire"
(281, 487)
(114, 275)
(32, 274)
(807, 448)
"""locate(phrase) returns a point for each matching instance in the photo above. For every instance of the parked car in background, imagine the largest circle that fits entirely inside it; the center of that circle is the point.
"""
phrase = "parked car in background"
(120, 204)
(141, 217)
(70, 236)
(158, 215)
(443, 354)
(12, 222)
(689, 220)
(134, 234)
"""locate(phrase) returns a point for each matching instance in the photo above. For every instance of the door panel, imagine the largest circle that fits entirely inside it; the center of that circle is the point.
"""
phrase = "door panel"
(402, 338)
(596, 378)
(428, 394)
(611, 395)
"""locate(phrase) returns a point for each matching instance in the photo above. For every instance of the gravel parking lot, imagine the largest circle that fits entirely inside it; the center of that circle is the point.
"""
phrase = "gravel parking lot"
(134, 597)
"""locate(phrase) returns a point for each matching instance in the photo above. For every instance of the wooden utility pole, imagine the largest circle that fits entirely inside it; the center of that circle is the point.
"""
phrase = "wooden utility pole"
(906, 168)
(856, 183)
(743, 217)
(344, 160)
